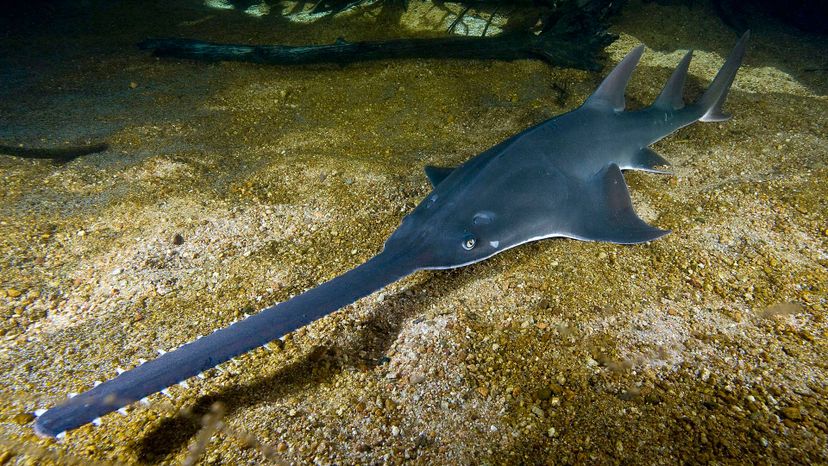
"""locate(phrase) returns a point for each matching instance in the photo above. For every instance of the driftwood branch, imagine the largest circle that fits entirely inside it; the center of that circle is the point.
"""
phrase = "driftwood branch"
(557, 49)
(61, 155)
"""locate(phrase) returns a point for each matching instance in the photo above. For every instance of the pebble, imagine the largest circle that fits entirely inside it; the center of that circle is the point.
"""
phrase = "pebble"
(793, 413)
(12, 293)
(395, 431)
(177, 239)
(552, 432)
(416, 378)
(23, 418)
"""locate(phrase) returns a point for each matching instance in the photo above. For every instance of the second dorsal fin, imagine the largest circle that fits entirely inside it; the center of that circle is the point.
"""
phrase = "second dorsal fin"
(671, 96)
(610, 94)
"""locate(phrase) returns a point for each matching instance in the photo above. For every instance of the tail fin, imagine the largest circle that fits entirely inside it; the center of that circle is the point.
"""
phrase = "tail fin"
(671, 96)
(713, 98)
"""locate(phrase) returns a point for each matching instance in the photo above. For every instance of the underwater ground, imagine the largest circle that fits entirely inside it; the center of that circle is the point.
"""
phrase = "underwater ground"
(228, 187)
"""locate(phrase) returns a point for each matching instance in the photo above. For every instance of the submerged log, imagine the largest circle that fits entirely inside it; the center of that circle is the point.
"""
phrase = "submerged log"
(578, 51)
(61, 155)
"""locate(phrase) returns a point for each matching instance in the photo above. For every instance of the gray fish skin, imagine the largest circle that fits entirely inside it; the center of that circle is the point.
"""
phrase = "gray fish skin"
(559, 178)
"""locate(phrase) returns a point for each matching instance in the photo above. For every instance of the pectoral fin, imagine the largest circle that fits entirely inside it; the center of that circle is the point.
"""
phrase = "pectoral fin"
(606, 212)
(437, 174)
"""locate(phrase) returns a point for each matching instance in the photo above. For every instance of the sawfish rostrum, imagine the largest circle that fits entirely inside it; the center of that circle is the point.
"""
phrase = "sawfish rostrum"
(560, 178)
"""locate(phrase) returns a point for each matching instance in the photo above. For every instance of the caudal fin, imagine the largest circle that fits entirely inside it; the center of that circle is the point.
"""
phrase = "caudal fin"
(714, 97)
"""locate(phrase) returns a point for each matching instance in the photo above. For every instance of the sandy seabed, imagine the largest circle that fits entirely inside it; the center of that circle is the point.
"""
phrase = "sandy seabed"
(228, 187)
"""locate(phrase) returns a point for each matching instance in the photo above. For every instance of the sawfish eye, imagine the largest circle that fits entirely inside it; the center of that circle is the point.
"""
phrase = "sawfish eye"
(469, 242)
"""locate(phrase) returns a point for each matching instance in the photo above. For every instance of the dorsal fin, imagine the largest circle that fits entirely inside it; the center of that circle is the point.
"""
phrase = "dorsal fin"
(437, 174)
(671, 96)
(610, 94)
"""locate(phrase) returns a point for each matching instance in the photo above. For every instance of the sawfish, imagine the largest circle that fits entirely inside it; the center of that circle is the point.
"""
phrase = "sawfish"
(559, 178)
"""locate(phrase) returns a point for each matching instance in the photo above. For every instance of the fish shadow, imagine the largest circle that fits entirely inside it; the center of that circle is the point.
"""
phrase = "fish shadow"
(377, 333)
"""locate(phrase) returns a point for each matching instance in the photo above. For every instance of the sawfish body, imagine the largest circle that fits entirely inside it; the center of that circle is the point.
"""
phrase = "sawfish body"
(560, 178)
